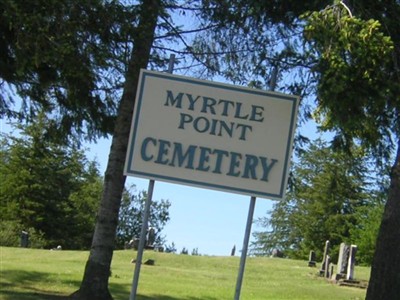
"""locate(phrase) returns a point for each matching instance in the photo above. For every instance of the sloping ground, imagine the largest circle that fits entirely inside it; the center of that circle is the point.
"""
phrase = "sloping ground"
(29, 274)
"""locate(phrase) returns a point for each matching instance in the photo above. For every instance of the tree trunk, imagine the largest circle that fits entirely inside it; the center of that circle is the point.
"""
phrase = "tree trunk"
(94, 285)
(384, 283)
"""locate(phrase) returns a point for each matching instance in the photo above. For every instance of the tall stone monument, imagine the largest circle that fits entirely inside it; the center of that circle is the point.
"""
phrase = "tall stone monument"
(324, 260)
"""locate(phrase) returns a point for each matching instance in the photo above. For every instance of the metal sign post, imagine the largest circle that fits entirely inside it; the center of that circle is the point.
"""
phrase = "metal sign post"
(146, 215)
(142, 240)
(245, 247)
(246, 239)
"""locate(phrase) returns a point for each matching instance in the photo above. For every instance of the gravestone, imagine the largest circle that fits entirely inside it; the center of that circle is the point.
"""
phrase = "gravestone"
(343, 260)
(24, 239)
(345, 265)
(326, 253)
(233, 250)
(351, 262)
(312, 259)
(151, 238)
(327, 265)
(277, 253)
(135, 243)
(150, 262)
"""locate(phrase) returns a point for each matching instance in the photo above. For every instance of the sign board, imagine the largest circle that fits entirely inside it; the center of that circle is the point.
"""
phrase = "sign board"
(211, 135)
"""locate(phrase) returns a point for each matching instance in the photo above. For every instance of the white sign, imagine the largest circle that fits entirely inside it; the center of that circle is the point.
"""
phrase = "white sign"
(211, 135)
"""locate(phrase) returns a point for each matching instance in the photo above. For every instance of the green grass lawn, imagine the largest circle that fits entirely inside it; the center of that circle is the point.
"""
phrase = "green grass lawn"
(30, 274)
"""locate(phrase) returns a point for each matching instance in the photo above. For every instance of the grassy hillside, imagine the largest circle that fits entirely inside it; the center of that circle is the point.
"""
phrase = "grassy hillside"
(43, 274)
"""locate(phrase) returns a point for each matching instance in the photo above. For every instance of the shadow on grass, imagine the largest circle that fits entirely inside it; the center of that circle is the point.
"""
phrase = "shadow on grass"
(160, 297)
(31, 295)
(120, 291)
(23, 285)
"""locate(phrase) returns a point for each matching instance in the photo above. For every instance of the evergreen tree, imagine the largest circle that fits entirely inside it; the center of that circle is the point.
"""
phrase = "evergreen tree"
(83, 205)
(329, 190)
(369, 217)
(49, 187)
